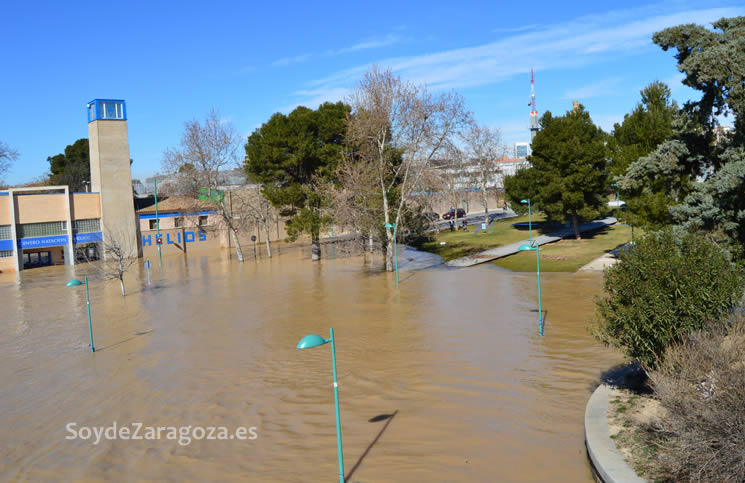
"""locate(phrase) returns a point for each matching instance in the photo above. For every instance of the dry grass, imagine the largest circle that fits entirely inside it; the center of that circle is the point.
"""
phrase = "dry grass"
(701, 384)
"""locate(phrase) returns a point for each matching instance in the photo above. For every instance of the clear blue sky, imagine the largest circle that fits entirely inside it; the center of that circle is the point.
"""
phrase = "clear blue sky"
(174, 62)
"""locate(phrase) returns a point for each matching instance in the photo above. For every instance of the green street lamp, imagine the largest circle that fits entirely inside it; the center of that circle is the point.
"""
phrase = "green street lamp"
(314, 341)
(395, 247)
(529, 247)
(75, 283)
(530, 227)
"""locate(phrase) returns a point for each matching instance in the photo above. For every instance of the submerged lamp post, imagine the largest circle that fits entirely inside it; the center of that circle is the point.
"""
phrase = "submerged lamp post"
(157, 222)
(528, 247)
(530, 227)
(314, 341)
(395, 248)
(74, 283)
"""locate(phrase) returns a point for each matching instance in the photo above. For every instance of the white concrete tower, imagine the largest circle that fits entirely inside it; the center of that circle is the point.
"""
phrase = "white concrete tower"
(110, 172)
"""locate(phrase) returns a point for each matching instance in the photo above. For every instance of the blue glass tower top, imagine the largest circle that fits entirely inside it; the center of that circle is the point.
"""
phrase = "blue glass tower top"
(107, 110)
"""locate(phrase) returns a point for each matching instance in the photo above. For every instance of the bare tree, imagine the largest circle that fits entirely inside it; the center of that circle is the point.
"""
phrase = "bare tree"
(119, 257)
(483, 147)
(256, 209)
(356, 200)
(456, 178)
(204, 152)
(399, 128)
(7, 156)
(431, 191)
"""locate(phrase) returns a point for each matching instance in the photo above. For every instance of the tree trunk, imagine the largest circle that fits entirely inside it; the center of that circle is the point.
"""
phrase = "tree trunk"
(389, 252)
(485, 198)
(575, 223)
(315, 248)
(183, 237)
(121, 284)
(370, 243)
(268, 245)
(238, 251)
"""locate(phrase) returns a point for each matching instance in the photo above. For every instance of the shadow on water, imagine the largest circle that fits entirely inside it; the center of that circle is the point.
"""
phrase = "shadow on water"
(381, 417)
(136, 334)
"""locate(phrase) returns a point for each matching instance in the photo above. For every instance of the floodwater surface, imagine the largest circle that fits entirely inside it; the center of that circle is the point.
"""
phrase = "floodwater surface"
(454, 355)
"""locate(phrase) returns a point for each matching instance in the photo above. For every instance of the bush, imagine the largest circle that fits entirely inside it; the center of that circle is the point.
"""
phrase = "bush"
(700, 384)
(663, 289)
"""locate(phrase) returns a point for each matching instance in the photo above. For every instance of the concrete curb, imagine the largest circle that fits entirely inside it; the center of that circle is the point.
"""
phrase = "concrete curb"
(607, 461)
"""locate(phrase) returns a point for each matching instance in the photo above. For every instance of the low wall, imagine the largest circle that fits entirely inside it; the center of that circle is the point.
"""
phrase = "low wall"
(607, 461)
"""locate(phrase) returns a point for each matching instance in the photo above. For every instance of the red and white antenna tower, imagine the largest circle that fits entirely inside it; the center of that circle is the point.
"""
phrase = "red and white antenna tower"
(533, 110)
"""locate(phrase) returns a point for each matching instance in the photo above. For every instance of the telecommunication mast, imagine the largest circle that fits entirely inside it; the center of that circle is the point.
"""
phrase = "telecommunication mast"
(533, 110)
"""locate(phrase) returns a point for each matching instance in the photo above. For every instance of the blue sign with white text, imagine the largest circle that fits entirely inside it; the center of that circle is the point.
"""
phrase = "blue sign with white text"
(51, 241)
(189, 237)
(42, 241)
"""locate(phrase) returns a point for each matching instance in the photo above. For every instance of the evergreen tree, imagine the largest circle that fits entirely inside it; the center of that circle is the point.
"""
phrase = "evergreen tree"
(569, 168)
(697, 178)
(292, 155)
(642, 130)
(72, 167)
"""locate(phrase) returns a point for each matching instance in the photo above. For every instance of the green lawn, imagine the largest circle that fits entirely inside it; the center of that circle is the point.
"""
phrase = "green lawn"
(563, 256)
(460, 243)
(568, 255)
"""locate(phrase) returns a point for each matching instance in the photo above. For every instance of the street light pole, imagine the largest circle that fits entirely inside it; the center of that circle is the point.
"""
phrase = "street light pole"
(157, 221)
(530, 226)
(336, 406)
(528, 247)
(308, 342)
(73, 283)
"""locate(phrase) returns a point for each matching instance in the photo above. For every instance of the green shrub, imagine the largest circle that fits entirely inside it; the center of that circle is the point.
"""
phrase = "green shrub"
(663, 289)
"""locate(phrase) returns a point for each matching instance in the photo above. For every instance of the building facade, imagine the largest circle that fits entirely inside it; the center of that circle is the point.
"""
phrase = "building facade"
(48, 226)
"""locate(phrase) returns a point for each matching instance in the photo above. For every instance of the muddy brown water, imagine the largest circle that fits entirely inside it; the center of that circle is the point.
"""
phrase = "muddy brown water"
(477, 394)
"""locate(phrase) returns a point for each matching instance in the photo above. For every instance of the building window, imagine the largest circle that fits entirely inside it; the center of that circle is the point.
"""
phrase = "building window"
(153, 224)
(92, 225)
(6, 253)
(5, 232)
(203, 220)
(111, 110)
(32, 230)
(178, 222)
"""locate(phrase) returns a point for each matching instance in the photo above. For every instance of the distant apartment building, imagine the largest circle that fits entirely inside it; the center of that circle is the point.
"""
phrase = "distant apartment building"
(522, 150)
(508, 167)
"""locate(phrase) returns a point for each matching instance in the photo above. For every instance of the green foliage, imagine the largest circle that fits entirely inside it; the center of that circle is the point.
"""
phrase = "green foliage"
(655, 183)
(662, 185)
(569, 168)
(712, 63)
(718, 204)
(520, 186)
(662, 290)
(72, 167)
(292, 155)
(648, 125)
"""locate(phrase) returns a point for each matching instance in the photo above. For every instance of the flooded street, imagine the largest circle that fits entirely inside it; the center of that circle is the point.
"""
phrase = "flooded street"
(477, 394)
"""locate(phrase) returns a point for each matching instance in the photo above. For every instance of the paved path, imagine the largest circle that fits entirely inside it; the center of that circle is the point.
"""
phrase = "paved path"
(513, 248)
